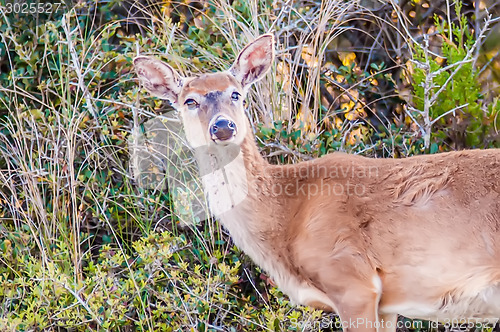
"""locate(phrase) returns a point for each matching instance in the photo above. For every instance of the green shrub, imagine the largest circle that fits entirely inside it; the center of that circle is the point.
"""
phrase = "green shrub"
(162, 286)
(448, 99)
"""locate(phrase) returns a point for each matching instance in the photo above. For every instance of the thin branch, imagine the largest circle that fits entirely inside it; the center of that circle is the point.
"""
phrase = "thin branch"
(448, 112)
(413, 109)
(77, 66)
(82, 303)
(285, 150)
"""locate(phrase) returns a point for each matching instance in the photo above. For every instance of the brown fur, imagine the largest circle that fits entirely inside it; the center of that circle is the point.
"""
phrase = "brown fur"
(208, 83)
(430, 221)
(368, 238)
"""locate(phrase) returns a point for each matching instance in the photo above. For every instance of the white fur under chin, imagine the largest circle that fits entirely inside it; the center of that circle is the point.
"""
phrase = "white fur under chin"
(226, 187)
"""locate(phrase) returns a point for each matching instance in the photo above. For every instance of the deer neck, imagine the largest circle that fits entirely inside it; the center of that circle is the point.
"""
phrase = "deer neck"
(241, 195)
(234, 192)
(233, 176)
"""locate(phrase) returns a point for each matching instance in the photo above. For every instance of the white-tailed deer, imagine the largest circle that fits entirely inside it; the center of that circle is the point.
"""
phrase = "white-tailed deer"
(367, 238)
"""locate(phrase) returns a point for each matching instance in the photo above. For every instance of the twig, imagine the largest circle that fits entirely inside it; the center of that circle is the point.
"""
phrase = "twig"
(408, 111)
(77, 66)
(448, 112)
(468, 58)
(430, 97)
(286, 150)
(82, 302)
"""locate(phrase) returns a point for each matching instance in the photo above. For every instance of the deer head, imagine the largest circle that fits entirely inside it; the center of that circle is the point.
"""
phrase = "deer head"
(210, 105)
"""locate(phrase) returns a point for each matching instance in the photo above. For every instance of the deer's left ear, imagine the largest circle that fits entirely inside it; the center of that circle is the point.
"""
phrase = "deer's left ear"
(254, 60)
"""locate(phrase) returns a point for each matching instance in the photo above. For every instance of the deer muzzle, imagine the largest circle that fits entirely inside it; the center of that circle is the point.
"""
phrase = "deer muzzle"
(222, 129)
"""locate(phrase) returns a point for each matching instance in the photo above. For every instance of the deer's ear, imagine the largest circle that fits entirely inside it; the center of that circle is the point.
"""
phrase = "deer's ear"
(158, 78)
(254, 60)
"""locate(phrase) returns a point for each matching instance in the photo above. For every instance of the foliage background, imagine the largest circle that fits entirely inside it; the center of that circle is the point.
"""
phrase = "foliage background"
(84, 248)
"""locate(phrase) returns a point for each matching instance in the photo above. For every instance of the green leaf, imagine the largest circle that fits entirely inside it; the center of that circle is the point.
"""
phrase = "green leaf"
(434, 148)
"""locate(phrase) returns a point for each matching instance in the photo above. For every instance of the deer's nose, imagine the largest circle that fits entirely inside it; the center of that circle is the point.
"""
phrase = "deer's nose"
(223, 129)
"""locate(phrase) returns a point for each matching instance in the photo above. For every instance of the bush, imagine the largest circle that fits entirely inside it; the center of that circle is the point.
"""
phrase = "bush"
(448, 91)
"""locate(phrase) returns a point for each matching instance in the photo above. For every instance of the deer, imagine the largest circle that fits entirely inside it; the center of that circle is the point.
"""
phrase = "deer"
(366, 238)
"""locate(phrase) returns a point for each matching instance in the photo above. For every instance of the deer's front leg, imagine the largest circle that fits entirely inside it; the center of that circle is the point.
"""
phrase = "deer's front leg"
(357, 308)
(355, 288)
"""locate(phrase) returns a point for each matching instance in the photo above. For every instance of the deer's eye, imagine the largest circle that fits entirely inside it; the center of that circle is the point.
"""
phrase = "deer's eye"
(235, 96)
(191, 104)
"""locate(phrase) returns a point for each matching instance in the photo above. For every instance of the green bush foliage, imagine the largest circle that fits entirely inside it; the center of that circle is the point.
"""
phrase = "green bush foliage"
(448, 89)
(162, 286)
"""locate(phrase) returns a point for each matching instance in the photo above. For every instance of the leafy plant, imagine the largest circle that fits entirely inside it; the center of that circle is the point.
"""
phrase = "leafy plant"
(449, 105)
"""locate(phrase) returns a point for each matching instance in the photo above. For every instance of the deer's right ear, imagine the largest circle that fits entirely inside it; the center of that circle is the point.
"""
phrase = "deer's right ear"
(254, 61)
(158, 78)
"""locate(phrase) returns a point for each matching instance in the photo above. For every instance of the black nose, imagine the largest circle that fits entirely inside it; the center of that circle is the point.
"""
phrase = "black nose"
(223, 129)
